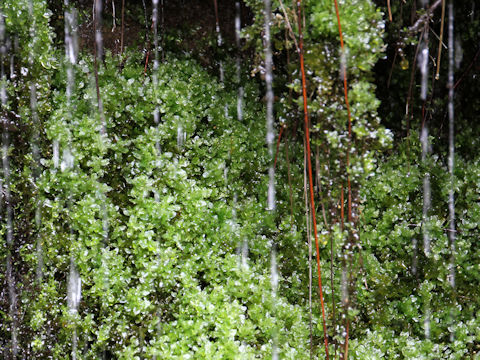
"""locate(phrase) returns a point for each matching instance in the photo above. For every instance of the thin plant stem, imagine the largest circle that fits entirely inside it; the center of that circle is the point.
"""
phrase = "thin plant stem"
(309, 162)
(309, 242)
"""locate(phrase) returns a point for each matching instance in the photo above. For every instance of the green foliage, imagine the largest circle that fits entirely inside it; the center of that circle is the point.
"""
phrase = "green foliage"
(391, 226)
(153, 234)
(165, 221)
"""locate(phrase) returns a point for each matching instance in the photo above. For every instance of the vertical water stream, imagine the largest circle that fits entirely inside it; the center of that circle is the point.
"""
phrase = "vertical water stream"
(219, 40)
(425, 211)
(36, 174)
(451, 153)
(98, 56)
(451, 140)
(270, 143)
(36, 168)
(269, 98)
(6, 195)
(238, 62)
(67, 163)
(274, 283)
(423, 64)
(156, 112)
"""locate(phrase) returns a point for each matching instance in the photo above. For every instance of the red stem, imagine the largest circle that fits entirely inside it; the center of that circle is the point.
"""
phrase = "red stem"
(345, 355)
(146, 63)
(309, 162)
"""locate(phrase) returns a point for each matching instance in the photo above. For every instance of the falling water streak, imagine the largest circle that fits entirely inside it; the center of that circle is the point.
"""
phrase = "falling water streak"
(451, 139)
(155, 35)
(103, 130)
(32, 32)
(219, 40)
(39, 247)
(98, 28)
(274, 283)
(6, 197)
(71, 47)
(426, 191)
(426, 322)
(275, 352)
(274, 273)
(345, 284)
(162, 29)
(269, 98)
(238, 62)
(181, 136)
(67, 162)
(15, 47)
(414, 256)
(423, 64)
(242, 248)
(97, 21)
(56, 152)
(343, 63)
(451, 153)
(156, 112)
(146, 22)
(244, 253)
(225, 175)
(74, 294)
(9, 237)
(425, 225)
(271, 189)
(36, 154)
(6, 177)
(105, 221)
(458, 52)
(5, 138)
(74, 288)
(36, 174)
(13, 304)
(9, 234)
(424, 57)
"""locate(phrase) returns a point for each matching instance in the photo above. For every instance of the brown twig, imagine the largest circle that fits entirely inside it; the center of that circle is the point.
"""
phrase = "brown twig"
(389, 11)
(391, 70)
(418, 26)
(292, 34)
(146, 63)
